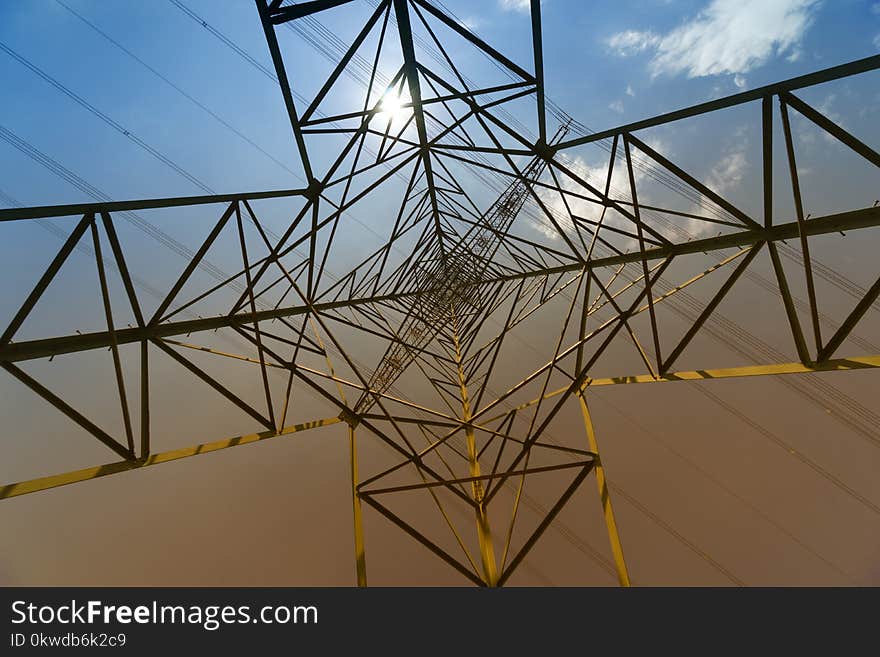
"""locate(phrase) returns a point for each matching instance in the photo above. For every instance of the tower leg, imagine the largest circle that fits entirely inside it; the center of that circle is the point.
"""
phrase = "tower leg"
(484, 532)
(605, 497)
(360, 556)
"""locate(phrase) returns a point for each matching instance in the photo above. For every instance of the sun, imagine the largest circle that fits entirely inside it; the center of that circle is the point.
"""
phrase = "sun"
(393, 107)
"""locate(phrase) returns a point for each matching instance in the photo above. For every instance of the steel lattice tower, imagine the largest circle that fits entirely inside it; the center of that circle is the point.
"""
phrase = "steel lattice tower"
(452, 280)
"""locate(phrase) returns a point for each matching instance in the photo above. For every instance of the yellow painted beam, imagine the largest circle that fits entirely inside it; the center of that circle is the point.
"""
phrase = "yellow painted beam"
(359, 553)
(605, 497)
(837, 365)
(484, 530)
(54, 481)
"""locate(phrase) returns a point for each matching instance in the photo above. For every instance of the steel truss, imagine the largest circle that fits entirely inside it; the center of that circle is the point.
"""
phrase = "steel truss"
(451, 281)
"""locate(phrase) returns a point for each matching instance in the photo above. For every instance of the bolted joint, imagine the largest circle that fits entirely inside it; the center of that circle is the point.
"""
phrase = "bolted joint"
(313, 191)
(543, 150)
(351, 418)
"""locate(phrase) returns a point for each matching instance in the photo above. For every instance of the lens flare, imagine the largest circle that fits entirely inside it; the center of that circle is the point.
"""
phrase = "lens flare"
(394, 107)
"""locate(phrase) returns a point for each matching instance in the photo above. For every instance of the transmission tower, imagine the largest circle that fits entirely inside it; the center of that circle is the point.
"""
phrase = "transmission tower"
(462, 266)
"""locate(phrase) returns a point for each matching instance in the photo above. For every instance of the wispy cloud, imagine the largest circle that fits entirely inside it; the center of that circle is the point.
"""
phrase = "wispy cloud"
(471, 22)
(616, 106)
(515, 5)
(807, 131)
(727, 174)
(629, 91)
(596, 175)
(632, 42)
(725, 178)
(726, 37)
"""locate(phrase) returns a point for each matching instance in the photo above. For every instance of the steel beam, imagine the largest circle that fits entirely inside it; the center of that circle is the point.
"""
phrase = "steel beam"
(826, 75)
(86, 474)
(44, 348)
(604, 496)
(48, 211)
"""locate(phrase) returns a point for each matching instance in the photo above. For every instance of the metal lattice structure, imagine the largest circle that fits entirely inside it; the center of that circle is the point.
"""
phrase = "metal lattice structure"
(453, 278)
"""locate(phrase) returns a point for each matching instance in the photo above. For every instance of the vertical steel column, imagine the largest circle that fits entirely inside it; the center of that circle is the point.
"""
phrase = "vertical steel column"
(360, 555)
(484, 531)
(799, 213)
(604, 496)
(145, 400)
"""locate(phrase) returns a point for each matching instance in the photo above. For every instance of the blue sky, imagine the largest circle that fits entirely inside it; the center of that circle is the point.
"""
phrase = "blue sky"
(606, 63)
(155, 104)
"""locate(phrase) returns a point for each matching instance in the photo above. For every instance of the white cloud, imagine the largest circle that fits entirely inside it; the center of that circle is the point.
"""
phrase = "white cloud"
(826, 108)
(616, 106)
(515, 5)
(807, 131)
(727, 174)
(632, 42)
(629, 91)
(472, 23)
(739, 81)
(596, 175)
(724, 177)
(726, 37)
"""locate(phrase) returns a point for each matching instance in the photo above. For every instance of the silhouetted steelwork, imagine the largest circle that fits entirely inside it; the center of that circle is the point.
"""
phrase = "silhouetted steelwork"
(434, 303)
